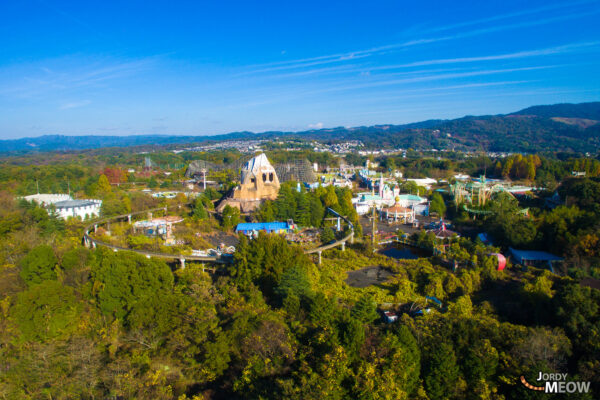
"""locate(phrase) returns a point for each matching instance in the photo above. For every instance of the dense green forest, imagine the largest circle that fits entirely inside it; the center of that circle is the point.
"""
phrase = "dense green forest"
(98, 324)
(571, 127)
(83, 323)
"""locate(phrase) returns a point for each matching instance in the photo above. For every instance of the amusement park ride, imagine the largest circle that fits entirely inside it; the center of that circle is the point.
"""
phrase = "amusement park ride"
(474, 195)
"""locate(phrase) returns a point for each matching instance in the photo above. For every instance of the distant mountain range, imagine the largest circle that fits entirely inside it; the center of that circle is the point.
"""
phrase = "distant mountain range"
(559, 127)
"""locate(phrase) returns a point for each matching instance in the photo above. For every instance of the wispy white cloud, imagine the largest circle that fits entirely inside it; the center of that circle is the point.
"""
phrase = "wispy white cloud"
(433, 77)
(292, 94)
(327, 70)
(516, 55)
(318, 125)
(59, 75)
(307, 63)
(378, 50)
(521, 13)
(480, 97)
(74, 104)
(440, 90)
(526, 24)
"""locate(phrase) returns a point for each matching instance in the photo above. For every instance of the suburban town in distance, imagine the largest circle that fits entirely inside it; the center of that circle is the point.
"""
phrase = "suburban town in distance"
(312, 201)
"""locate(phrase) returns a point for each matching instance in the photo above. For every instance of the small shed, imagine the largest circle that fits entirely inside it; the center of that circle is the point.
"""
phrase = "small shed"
(534, 258)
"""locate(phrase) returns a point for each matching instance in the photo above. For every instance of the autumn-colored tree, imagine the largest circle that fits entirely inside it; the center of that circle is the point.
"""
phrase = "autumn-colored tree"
(114, 175)
(104, 184)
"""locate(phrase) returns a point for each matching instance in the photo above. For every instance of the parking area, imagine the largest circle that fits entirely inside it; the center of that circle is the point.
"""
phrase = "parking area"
(368, 276)
(217, 237)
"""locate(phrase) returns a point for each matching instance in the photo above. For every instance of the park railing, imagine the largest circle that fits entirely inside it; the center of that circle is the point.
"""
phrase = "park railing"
(91, 241)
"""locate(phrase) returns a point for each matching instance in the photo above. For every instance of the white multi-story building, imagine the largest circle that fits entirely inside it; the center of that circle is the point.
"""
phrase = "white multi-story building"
(78, 208)
(65, 206)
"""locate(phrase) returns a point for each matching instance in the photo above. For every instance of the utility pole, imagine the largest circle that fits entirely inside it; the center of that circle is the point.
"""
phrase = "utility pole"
(373, 229)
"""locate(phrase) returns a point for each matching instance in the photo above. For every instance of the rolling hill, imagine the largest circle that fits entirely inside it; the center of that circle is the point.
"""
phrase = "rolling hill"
(559, 127)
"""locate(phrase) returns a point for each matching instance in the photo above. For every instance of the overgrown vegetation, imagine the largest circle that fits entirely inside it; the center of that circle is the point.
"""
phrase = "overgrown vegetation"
(83, 323)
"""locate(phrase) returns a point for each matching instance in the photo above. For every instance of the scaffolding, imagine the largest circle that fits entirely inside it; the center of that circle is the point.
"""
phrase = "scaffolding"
(473, 196)
(151, 165)
(300, 170)
(476, 193)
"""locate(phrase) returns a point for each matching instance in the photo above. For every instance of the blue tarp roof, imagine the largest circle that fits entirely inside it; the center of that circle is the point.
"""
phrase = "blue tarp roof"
(261, 226)
(532, 255)
(484, 237)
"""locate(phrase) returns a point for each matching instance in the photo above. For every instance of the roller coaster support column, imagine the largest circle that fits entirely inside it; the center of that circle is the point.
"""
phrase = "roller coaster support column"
(319, 257)
(352, 238)
(343, 246)
(182, 262)
(95, 228)
(339, 226)
(129, 218)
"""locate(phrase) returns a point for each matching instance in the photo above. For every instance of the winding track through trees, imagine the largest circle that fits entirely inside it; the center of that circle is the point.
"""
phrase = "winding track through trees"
(90, 241)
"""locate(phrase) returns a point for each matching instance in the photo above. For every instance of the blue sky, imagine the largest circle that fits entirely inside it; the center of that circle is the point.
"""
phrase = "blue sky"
(198, 68)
